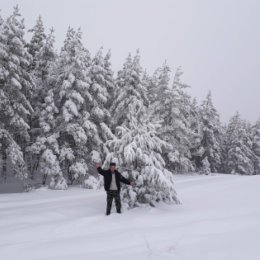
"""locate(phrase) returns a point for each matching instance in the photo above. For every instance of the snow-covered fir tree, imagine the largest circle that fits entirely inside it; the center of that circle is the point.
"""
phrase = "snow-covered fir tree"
(179, 127)
(196, 149)
(256, 145)
(172, 105)
(46, 146)
(16, 88)
(65, 119)
(137, 149)
(205, 169)
(109, 80)
(238, 147)
(101, 82)
(157, 85)
(45, 60)
(42, 73)
(12, 152)
(44, 65)
(131, 92)
(37, 40)
(74, 127)
(211, 133)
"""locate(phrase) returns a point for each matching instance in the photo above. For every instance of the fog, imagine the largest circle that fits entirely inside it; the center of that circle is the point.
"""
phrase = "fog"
(215, 42)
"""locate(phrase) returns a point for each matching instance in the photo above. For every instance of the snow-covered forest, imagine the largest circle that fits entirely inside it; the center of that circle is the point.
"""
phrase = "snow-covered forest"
(64, 110)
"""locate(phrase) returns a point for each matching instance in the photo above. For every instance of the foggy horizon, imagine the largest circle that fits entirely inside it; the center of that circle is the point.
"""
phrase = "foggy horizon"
(214, 43)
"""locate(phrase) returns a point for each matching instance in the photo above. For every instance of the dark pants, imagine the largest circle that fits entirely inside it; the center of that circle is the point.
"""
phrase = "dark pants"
(110, 195)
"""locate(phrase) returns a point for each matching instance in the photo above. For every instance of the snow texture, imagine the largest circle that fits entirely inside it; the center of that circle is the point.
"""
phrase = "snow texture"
(217, 220)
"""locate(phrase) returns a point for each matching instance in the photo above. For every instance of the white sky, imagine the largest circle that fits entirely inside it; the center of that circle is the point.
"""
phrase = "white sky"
(217, 43)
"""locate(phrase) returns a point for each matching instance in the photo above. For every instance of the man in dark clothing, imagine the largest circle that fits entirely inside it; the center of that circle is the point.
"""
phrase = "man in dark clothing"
(112, 179)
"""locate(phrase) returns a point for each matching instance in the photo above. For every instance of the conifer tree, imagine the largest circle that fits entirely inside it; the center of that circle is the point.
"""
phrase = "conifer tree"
(64, 119)
(132, 94)
(137, 146)
(109, 80)
(72, 96)
(205, 169)
(157, 87)
(37, 41)
(210, 134)
(44, 65)
(196, 149)
(101, 83)
(172, 106)
(238, 147)
(16, 88)
(137, 149)
(256, 145)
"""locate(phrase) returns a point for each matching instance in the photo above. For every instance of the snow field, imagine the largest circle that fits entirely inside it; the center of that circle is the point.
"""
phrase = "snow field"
(218, 219)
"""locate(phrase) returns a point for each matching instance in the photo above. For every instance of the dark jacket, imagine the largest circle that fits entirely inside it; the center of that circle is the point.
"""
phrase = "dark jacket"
(108, 178)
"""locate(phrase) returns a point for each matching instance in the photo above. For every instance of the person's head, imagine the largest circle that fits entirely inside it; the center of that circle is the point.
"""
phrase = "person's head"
(112, 166)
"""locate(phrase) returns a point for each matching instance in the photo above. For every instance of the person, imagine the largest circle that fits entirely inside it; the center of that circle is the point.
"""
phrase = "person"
(112, 179)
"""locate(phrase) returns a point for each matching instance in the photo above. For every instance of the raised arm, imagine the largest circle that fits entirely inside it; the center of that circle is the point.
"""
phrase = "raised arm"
(99, 169)
(123, 179)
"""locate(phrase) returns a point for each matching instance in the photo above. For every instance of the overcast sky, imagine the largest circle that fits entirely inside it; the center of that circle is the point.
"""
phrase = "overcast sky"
(217, 43)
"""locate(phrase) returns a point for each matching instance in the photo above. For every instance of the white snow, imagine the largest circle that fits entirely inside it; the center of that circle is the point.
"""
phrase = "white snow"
(218, 219)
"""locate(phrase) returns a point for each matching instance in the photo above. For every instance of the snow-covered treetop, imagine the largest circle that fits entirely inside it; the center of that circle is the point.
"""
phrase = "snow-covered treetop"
(38, 37)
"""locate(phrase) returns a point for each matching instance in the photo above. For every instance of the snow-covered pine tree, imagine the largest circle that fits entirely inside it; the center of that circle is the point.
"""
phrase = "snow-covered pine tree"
(101, 89)
(196, 149)
(16, 88)
(37, 41)
(64, 119)
(101, 84)
(74, 117)
(46, 146)
(179, 125)
(137, 149)
(44, 68)
(210, 134)
(226, 142)
(44, 65)
(137, 146)
(109, 80)
(172, 105)
(11, 151)
(238, 147)
(222, 132)
(256, 145)
(77, 131)
(205, 169)
(157, 85)
(131, 92)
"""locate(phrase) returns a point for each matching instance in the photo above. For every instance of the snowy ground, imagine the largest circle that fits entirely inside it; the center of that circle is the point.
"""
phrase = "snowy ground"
(219, 219)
